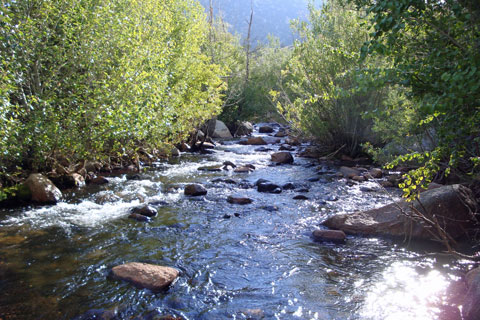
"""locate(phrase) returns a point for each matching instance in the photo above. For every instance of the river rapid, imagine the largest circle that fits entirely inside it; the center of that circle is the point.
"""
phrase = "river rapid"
(236, 262)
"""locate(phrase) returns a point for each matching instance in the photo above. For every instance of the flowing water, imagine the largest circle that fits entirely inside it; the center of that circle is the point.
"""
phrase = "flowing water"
(258, 261)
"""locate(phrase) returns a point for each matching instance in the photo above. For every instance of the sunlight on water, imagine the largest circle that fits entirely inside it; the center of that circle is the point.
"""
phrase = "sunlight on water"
(403, 293)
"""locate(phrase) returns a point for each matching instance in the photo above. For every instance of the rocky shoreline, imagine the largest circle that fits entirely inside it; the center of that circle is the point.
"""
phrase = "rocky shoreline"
(452, 207)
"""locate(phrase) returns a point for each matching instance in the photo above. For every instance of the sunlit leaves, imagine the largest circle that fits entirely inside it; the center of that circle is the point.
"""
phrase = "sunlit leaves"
(89, 79)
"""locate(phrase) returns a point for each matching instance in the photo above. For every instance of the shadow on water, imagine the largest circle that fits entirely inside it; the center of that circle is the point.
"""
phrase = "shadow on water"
(234, 260)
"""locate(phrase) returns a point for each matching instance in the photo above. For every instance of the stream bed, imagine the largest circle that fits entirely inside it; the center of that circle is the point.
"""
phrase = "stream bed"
(236, 262)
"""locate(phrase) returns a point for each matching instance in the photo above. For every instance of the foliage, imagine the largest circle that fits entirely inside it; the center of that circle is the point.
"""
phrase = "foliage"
(83, 78)
(325, 89)
(436, 49)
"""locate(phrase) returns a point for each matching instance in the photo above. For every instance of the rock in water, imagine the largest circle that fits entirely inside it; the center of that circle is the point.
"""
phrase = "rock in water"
(452, 206)
(471, 304)
(143, 275)
(195, 190)
(146, 211)
(239, 200)
(336, 236)
(42, 189)
(243, 129)
(221, 131)
(349, 173)
(282, 157)
(254, 141)
(265, 129)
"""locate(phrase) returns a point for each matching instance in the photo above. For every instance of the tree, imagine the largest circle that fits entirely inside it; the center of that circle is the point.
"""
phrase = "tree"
(89, 79)
(436, 49)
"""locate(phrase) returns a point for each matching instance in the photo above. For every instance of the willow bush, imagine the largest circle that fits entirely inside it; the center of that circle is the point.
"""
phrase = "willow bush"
(326, 90)
(90, 79)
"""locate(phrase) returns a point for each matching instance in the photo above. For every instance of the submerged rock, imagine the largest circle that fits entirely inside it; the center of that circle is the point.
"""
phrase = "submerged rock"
(143, 275)
(239, 200)
(194, 190)
(268, 187)
(138, 217)
(336, 236)
(42, 189)
(452, 206)
(300, 197)
(282, 157)
(210, 168)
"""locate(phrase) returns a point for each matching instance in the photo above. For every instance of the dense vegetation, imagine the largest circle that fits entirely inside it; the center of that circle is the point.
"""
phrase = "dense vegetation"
(89, 79)
(397, 79)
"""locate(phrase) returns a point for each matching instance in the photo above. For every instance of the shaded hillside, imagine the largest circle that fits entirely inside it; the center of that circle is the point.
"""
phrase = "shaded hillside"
(270, 16)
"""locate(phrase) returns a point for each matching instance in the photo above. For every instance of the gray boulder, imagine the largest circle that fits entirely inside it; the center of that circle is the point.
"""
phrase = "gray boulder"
(221, 131)
(452, 206)
(244, 128)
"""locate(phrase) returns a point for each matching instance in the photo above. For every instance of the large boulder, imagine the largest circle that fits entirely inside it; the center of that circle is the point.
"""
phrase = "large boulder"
(143, 275)
(221, 131)
(42, 189)
(282, 157)
(471, 304)
(452, 206)
(244, 128)
(194, 190)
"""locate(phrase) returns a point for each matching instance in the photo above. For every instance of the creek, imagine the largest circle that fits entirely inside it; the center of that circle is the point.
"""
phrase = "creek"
(235, 262)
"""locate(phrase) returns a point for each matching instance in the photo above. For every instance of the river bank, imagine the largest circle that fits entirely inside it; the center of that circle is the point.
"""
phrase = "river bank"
(257, 260)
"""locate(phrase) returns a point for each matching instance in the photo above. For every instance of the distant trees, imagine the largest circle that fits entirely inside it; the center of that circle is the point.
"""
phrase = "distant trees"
(93, 79)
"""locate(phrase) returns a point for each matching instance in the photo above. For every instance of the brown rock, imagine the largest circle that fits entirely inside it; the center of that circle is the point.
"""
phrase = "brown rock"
(98, 180)
(349, 173)
(282, 157)
(376, 173)
(336, 236)
(239, 200)
(42, 189)
(293, 142)
(265, 129)
(142, 275)
(254, 141)
(451, 205)
(195, 190)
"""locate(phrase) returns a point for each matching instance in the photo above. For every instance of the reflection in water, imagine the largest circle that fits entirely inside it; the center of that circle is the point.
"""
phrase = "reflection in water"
(404, 293)
(258, 261)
